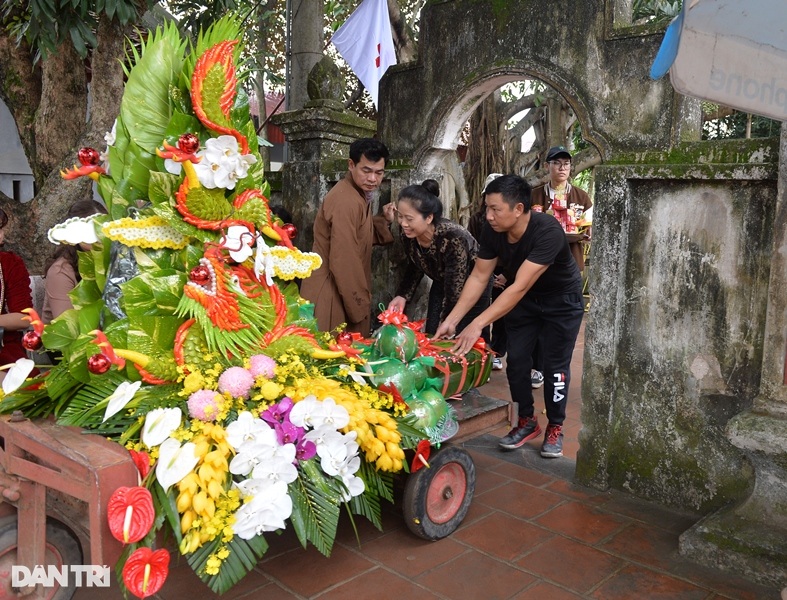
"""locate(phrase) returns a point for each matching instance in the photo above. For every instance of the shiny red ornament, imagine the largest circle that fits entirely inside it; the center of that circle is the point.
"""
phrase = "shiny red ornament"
(88, 156)
(98, 364)
(200, 275)
(31, 341)
(189, 143)
(290, 229)
(345, 337)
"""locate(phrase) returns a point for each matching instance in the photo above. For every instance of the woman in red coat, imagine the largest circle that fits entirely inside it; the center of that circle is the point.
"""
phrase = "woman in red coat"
(15, 296)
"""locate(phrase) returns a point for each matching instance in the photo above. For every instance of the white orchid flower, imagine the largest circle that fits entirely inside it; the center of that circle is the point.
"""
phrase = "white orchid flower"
(332, 415)
(246, 430)
(175, 462)
(355, 486)
(239, 241)
(267, 511)
(252, 487)
(111, 136)
(303, 413)
(279, 467)
(120, 397)
(264, 262)
(252, 453)
(159, 425)
(222, 147)
(17, 374)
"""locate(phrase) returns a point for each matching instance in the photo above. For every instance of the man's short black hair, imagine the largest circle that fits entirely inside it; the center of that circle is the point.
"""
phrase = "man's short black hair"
(513, 188)
(372, 149)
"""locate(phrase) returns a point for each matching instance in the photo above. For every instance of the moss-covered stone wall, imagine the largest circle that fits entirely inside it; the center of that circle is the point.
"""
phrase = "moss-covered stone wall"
(674, 343)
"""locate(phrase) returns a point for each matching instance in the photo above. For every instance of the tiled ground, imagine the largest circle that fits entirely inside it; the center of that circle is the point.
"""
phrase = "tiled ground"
(529, 534)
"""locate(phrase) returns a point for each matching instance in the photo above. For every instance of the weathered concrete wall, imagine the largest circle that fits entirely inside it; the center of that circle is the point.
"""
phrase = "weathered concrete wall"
(674, 343)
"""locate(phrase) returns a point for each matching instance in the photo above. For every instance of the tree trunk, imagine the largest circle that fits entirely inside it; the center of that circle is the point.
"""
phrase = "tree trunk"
(406, 49)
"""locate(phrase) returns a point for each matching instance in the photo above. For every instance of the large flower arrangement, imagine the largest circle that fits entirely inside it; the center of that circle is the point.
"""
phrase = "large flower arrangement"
(189, 344)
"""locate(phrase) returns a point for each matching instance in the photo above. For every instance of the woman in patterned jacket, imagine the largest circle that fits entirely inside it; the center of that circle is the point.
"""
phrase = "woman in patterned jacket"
(438, 248)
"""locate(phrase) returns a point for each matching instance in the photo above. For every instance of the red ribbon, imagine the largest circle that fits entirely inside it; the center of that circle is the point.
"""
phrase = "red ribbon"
(392, 316)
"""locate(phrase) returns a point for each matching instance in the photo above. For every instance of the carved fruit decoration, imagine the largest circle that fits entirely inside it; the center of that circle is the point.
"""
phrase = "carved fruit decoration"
(88, 156)
(98, 364)
(31, 341)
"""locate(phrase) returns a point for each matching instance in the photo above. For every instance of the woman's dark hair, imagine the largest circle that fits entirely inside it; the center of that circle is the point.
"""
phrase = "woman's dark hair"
(3, 218)
(82, 208)
(424, 198)
(513, 189)
(282, 213)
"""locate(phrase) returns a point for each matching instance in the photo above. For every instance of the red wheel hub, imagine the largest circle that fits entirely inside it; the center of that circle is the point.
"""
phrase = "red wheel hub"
(446, 493)
(8, 559)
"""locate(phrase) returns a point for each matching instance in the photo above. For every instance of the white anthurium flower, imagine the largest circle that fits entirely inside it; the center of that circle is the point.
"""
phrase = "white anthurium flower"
(120, 397)
(357, 376)
(17, 374)
(175, 462)
(159, 425)
(264, 262)
(239, 241)
(302, 414)
(267, 511)
(333, 415)
(278, 468)
(247, 429)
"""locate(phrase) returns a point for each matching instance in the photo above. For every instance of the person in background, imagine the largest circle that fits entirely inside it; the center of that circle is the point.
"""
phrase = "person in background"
(15, 296)
(344, 232)
(543, 300)
(61, 272)
(567, 203)
(498, 339)
(438, 248)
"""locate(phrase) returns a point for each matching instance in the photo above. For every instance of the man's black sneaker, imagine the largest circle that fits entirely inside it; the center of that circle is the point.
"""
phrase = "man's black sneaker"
(553, 442)
(527, 429)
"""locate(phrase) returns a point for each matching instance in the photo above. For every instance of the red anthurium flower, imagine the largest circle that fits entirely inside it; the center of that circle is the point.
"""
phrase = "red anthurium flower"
(422, 451)
(142, 460)
(146, 571)
(130, 513)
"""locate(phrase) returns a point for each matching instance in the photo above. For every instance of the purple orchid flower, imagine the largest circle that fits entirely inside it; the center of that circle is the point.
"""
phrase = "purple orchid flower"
(279, 412)
(287, 433)
(305, 449)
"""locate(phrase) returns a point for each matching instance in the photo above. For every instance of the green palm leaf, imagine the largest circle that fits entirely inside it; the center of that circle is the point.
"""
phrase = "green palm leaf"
(242, 558)
(315, 507)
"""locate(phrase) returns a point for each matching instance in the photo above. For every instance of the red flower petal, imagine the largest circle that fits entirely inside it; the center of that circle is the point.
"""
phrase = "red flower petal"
(146, 571)
(422, 452)
(130, 513)
(142, 460)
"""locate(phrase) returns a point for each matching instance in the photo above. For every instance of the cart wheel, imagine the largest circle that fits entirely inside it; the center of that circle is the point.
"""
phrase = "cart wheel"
(62, 548)
(436, 499)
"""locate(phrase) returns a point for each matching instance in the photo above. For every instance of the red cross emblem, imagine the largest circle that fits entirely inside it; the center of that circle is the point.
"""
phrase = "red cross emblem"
(377, 60)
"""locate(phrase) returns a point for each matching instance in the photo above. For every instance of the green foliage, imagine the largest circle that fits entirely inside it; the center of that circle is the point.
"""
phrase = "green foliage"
(315, 507)
(655, 11)
(46, 24)
(733, 124)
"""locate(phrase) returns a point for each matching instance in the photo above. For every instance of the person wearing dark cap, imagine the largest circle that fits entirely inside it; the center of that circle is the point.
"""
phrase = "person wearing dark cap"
(565, 201)
(542, 302)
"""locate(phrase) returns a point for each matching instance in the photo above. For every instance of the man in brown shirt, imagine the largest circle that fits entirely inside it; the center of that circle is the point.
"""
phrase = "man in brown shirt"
(344, 232)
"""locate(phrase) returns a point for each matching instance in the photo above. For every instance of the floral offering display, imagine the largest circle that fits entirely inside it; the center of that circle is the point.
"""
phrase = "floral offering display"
(189, 343)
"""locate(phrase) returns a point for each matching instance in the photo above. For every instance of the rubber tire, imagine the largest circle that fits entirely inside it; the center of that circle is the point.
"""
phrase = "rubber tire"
(61, 544)
(431, 509)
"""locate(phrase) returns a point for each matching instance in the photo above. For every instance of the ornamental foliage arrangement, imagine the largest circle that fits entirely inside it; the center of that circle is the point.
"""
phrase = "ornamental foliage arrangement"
(189, 344)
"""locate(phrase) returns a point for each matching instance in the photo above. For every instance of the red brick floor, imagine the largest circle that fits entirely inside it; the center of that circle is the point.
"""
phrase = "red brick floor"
(529, 534)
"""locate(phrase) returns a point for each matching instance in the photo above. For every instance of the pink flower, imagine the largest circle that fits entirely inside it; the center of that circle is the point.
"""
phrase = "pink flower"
(237, 381)
(204, 405)
(262, 365)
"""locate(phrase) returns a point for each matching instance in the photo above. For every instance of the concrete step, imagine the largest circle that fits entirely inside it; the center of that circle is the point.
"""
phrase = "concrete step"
(478, 414)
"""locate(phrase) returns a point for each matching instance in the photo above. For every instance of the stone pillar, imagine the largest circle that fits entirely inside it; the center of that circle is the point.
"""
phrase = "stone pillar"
(751, 537)
(319, 137)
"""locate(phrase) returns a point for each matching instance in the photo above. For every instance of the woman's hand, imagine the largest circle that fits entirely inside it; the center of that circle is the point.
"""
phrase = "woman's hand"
(398, 303)
(389, 212)
(499, 281)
